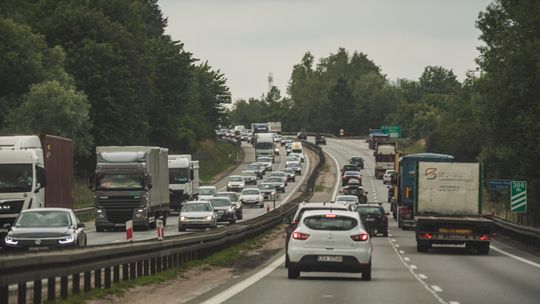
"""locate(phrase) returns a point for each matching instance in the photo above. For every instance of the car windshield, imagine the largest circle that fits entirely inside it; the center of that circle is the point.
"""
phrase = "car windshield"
(266, 186)
(369, 210)
(351, 173)
(346, 199)
(178, 175)
(274, 179)
(330, 222)
(264, 159)
(248, 173)
(293, 165)
(44, 219)
(207, 191)
(217, 202)
(235, 178)
(196, 207)
(251, 192)
(15, 177)
(278, 174)
(120, 181)
(231, 196)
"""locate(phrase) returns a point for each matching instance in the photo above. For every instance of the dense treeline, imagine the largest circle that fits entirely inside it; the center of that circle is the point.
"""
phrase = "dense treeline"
(492, 116)
(103, 73)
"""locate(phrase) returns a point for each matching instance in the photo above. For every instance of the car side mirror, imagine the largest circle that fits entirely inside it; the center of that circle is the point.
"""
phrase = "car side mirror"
(81, 225)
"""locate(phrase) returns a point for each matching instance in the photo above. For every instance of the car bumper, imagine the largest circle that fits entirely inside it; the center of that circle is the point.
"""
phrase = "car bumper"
(310, 263)
(225, 217)
(235, 188)
(196, 224)
(308, 256)
(248, 203)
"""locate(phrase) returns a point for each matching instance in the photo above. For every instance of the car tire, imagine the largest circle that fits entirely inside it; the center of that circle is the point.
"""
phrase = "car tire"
(293, 273)
(287, 261)
(366, 273)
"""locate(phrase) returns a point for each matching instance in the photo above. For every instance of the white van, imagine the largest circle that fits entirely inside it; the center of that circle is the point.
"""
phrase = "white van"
(297, 149)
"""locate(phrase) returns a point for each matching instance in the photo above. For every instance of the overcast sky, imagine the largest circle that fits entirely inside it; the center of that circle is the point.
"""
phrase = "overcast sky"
(248, 39)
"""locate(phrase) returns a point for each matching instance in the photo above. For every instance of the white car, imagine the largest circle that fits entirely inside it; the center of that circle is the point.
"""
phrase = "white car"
(236, 183)
(281, 174)
(267, 161)
(330, 241)
(299, 155)
(197, 214)
(252, 196)
(206, 192)
(349, 200)
(250, 177)
(388, 176)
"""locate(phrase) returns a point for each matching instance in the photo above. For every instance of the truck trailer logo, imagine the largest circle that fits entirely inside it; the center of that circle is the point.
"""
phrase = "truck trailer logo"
(430, 173)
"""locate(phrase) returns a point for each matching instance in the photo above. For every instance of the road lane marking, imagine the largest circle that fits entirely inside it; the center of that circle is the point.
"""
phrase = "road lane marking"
(393, 240)
(407, 259)
(235, 289)
(413, 267)
(417, 277)
(336, 186)
(401, 252)
(436, 288)
(397, 245)
(453, 302)
(515, 257)
(422, 276)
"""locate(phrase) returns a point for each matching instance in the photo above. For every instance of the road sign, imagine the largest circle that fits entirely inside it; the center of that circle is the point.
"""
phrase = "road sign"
(499, 184)
(518, 197)
(392, 131)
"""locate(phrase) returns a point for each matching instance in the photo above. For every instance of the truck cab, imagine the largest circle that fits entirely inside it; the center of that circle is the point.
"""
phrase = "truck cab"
(183, 180)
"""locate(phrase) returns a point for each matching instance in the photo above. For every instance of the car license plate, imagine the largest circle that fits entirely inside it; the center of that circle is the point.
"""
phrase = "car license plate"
(457, 231)
(457, 237)
(37, 248)
(330, 258)
(370, 220)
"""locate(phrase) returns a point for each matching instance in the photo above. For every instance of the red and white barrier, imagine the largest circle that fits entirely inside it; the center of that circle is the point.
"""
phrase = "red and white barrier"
(159, 230)
(129, 230)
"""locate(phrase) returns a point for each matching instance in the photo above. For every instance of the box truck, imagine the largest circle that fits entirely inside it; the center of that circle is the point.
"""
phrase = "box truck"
(131, 183)
(183, 180)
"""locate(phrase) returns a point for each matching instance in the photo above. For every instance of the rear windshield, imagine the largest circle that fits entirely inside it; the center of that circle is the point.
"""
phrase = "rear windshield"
(369, 210)
(311, 209)
(322, 222)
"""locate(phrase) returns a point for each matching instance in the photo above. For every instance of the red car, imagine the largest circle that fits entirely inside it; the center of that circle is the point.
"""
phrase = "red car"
(348, 175)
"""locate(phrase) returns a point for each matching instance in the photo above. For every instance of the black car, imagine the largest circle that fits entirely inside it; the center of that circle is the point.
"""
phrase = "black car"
(46, 228)
(349, 167)
(301, 135)
(320, 139)
(358, 161)
(374, 218)
(356, 190)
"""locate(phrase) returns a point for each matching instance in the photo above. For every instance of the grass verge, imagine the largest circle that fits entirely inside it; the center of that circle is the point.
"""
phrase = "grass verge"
(224, 258)
(319, 188)
(83, 196)
(214, 157)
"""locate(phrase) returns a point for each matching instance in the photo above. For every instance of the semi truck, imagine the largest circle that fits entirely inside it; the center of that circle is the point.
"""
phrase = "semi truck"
(35, 171)
(275, 127)
(406, 184)
(131, 183)
(183, 180)
(264, 145)
(376, 136)
(385, 156)
(448, 206)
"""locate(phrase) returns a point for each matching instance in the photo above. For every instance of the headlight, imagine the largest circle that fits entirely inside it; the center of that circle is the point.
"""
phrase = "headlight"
(100, 213)
(11, 241)
(182, 218)
(67, 239)
(209, 217)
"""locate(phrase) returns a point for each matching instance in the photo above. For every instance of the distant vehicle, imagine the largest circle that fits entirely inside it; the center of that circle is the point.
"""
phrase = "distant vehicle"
(349, 167)
(295, 166)
(350, 248)
(268, 190)
(293, 158)
(288, 148)
(197, 214)
(206, 192)
(385, 158)
(358, 161)
(388, 176)
(291, 174)
(236, 183)
(357, 191)
(257, 169)
(274, 127)
(297, 149)
(46, 228)
(252, 196)
(348, 175)
(374, 218)
(225, 210)
(278, 183)
(250, 177)
(183, 180)
(301, 135)
(320, 139)
(347, 199)
(376, 136)
(267, 161)
(235, 199)
(264, 145)
(303, 207)
(281, 174)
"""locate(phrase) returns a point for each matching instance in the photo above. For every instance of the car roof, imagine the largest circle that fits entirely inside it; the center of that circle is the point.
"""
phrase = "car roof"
(307, 205)
(196, 202)
(47, 209)
(346, 196)
(207, 187)
(337, 212)
(226, 192)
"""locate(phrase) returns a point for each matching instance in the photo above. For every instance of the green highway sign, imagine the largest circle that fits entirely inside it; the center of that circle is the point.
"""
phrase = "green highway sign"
(518, 197)
(392, 131)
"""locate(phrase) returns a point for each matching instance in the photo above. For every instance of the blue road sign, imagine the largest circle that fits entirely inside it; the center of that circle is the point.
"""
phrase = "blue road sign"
(499, 184)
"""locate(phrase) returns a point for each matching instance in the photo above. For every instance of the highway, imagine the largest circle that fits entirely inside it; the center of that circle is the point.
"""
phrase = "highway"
(509, 274)
(111, 237)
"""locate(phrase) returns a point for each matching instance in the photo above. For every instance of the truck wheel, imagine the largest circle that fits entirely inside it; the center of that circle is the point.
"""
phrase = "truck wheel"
(286, 261)
(483, 248)
(293, 272)
(366, 273)
(99, 229)
(422, 246)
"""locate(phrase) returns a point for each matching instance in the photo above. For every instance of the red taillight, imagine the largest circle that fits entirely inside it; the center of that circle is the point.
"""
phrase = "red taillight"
(362, 237)
(330, 215)
(485, 237)
(426, 236)
(300, 236)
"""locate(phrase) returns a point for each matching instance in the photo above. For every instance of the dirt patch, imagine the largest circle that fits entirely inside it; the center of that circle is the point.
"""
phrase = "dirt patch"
(197, 281)
(326, 178)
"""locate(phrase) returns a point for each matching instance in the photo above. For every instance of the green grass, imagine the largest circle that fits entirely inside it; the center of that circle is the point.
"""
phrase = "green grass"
(83, 196)
(319, 188)
(223, 258)
(406, 146)
(214, 157)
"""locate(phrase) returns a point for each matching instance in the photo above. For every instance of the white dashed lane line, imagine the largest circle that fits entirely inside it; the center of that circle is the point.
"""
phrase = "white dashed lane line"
(422, 276)
(436, 288)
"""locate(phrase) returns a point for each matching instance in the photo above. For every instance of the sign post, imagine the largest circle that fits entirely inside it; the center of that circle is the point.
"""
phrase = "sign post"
(518, 197)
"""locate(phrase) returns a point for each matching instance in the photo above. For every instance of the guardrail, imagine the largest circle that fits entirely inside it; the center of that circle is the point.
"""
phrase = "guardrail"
(101, 266)
(524, 234)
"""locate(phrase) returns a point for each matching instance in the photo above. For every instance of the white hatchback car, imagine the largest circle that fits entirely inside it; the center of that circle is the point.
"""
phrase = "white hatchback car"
(330, 241)
(349, 200)
(388, 176)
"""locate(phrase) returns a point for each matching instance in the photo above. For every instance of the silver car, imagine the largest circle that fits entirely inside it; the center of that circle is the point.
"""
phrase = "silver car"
(197, 214)
(252, 196)
(267, 161)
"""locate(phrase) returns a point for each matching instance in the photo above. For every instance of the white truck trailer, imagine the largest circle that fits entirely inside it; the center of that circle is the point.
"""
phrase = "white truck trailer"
(183, 180)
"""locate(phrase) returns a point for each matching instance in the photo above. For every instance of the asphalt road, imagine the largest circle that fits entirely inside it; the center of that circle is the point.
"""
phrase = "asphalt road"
(110, 237)
(509, 274)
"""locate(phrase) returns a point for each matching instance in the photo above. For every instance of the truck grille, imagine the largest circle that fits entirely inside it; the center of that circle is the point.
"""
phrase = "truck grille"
(119, 203)
(119, 216)
(11, 207)
(176, 196)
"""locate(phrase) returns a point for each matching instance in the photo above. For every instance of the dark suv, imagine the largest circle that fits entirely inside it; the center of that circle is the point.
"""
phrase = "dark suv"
(374, 218)
(349, 167)
(357, 160)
